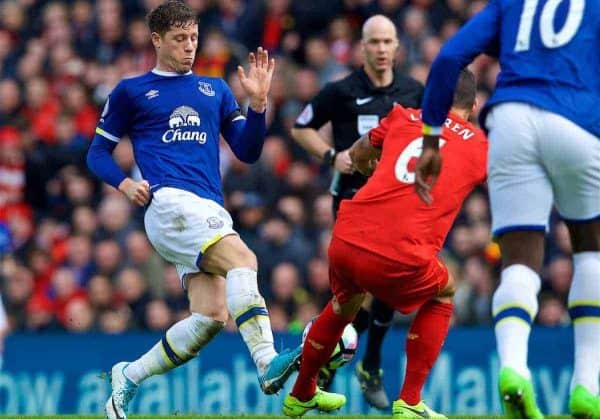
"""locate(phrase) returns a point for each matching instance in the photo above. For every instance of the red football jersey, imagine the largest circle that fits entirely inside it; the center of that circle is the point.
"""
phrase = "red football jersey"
(387, 216)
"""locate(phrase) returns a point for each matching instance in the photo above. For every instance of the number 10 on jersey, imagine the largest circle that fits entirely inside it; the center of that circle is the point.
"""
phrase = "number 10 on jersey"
(550, 37)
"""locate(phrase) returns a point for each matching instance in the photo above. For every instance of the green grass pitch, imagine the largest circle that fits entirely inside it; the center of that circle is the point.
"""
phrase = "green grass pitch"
(176, 416)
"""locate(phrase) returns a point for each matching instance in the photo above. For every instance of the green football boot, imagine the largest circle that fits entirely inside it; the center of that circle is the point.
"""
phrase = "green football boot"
(403, 410)
(518, 398)
(321, 401)
(583, 404)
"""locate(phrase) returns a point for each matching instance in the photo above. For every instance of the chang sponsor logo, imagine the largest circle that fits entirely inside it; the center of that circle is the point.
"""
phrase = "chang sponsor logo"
(181, 123)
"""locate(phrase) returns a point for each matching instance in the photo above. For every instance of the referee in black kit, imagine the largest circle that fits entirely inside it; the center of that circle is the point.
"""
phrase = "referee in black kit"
(354, 105)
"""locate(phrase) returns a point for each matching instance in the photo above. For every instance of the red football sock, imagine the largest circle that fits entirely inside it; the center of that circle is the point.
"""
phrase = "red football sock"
(322, 337)
(423, 345)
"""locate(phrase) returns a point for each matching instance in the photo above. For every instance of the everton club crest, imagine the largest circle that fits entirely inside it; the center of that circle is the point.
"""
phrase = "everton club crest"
(206, 88)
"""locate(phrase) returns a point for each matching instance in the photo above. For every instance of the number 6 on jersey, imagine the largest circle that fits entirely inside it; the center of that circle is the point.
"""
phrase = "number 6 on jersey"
(412, 151)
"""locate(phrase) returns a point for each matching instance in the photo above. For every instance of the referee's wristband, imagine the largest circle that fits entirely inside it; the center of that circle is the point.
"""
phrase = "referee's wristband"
(329, 157)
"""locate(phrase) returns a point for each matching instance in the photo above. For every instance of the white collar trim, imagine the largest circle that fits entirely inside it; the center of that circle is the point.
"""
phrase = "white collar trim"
(169, 73)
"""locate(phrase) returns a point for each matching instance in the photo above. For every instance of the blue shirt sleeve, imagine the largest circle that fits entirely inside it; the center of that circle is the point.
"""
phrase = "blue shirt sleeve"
(116, 115)
(114, 123)
(101, 162)
(245, 136)
(479, 35)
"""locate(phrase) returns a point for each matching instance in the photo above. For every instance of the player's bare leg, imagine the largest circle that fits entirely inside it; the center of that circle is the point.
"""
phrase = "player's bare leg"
(423, 345)
(584, 308)
(231, 258)
(514, 308)
(181, 342)
(324, 334)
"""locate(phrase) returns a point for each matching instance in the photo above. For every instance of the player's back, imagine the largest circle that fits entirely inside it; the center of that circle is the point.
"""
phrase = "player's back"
(548, 52)
(386, 216)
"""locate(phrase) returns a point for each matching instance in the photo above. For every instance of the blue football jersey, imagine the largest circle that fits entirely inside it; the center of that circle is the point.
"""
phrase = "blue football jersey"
(174, 123)
(549, 53)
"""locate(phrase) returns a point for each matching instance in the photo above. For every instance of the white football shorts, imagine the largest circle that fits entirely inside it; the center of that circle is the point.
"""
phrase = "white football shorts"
(181, 226)
(536, 159)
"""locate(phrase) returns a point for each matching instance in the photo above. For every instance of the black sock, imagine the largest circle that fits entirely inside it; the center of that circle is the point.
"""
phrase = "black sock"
(379, 323)
(361, 321)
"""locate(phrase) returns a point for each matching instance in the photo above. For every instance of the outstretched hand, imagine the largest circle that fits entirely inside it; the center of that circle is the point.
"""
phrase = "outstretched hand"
(428, 169)
(258, 80)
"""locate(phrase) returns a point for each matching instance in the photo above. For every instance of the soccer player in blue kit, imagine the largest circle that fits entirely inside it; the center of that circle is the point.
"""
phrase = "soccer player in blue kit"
(174, 119)
(543, 121)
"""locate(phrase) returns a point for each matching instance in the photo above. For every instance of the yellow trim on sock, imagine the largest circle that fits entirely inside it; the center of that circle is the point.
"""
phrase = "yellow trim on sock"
(245, 324)
(166, 357)
(576, 303)
(245, 309)
(588, 319)
(513, 305)
(511, 318)
(183, 358)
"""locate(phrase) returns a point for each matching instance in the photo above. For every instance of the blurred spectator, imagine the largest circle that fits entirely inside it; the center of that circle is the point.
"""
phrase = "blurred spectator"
(281, 244)
(84, 221)
(108, 258)
(318, 281)
(40, 315)
(285, 287)
(79, 316)
(279, 318)
(100, 293)
(558, 276)
(214, 58)
(134, 290)
(41, 109)
(552, 311)
(80, 258)
(115, 320)
(10, 102)
(143, 257)
(318, 57)
(158, 316)
(175, 297)
(114, 214)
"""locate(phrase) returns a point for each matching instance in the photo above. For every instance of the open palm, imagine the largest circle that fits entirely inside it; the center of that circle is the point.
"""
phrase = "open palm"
(260, 72)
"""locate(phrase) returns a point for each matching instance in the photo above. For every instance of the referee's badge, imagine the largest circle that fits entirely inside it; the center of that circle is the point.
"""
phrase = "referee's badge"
(306, 116)
(206, 88)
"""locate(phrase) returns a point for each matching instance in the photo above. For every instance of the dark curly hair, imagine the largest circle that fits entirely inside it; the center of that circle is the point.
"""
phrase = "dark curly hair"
(173, 13)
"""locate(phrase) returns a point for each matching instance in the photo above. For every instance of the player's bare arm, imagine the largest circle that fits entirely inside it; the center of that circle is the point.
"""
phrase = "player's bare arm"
(311, 141)
(258, 80)
(364, 156)
(137, 192)
(428, 167)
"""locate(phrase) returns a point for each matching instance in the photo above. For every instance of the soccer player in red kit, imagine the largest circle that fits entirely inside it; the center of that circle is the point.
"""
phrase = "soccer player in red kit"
(386, 242)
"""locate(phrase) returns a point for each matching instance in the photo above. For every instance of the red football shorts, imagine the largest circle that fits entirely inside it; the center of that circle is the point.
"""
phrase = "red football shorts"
(353, 270)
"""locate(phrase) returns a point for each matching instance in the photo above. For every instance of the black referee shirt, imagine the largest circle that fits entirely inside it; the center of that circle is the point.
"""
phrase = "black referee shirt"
(354, 106)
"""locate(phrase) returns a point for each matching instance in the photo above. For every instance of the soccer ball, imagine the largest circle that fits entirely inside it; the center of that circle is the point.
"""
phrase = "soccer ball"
(345, 349)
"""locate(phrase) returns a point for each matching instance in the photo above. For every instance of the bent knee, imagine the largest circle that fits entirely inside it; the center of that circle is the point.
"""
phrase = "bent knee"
(218, 313)
(448, 291)
(349, 308)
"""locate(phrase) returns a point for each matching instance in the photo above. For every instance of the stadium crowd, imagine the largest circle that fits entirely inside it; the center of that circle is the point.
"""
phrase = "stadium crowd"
(74, 253)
